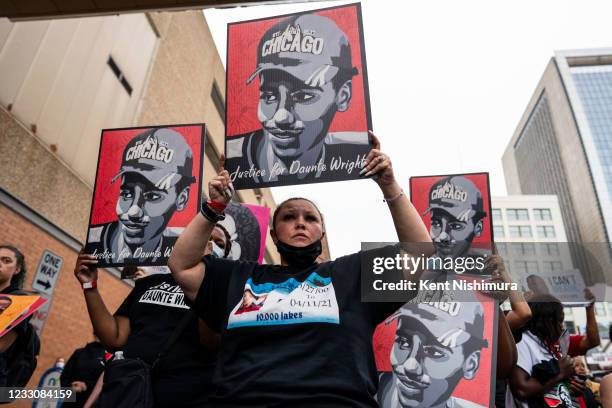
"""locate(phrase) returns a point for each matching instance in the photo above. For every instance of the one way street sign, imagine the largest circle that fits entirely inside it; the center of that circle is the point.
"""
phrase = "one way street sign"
(46, 284)
(47, 273)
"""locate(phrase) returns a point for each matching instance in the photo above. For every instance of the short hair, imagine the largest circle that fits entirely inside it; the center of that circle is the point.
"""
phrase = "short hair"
(476, 342)
(17, 279)
(342, 77)
(281, 205)
(182, 184)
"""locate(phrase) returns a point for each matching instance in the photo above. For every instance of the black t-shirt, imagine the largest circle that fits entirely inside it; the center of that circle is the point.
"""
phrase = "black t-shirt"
(155, 307)
(291, 337)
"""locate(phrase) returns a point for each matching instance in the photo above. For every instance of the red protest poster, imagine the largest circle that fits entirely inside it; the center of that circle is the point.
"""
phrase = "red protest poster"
(297, 101)
(456, 209)
(436, 351)
(247, 225)
(147, 189)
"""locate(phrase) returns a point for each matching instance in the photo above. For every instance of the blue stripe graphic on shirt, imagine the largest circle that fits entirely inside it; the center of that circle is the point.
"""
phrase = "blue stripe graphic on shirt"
(314, 279)
(289, 302)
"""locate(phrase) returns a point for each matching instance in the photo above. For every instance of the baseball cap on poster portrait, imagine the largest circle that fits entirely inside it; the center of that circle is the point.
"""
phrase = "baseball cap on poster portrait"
(343, 50)
(119, 154)
(314, 62)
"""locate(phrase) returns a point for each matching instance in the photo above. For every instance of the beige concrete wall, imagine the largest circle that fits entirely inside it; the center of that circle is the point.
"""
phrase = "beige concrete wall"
(36, 176)
(56, 80)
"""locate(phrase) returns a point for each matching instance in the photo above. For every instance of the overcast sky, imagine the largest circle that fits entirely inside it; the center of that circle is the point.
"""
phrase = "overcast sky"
(449, 81)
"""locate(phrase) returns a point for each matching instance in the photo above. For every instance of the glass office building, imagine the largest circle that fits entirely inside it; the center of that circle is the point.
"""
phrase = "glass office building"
(594, 87)
(563, 146)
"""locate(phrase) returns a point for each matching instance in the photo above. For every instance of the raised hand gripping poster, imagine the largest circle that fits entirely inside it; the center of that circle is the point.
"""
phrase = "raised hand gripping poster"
(147, 189)
(297, 106)
(438, 352)
(456, 209)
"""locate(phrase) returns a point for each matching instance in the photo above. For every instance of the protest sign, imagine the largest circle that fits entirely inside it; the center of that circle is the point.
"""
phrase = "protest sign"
(247, 225)
(456, 209)
(15, 308)
(437, 351)
(566, 285)
(147, 189)
(297, 103)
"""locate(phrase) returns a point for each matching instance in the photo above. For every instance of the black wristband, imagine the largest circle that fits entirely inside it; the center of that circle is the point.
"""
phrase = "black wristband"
(210, 214)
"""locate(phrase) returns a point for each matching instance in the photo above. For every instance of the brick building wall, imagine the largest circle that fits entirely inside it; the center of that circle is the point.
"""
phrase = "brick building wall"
(68, 326)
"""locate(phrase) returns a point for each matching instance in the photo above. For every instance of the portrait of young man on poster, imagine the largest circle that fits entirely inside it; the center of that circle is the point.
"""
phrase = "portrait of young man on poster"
(155, 181)
(437, 344)
(456, 211)
(305, 72)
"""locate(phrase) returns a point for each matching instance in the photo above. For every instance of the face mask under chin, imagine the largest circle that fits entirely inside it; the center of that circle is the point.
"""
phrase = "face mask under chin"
(300, 257)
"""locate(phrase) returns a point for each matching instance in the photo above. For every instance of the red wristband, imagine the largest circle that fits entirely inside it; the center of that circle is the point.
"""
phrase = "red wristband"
(218, 207)
(89, 285)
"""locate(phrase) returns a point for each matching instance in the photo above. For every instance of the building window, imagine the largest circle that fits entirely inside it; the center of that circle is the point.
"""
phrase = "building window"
(502, 249)
(552, 266)
(546, 231)
(551, 248)
(609, 308)
(217, 99)
(517, 214)
(542, 214)
(496, 213)
(599, 309)
(498, 231)
(523, 248)
(526, 267)
(117, 71)
(520, 231)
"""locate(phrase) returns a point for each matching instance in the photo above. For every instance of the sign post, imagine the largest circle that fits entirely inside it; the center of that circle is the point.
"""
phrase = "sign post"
(44, 282)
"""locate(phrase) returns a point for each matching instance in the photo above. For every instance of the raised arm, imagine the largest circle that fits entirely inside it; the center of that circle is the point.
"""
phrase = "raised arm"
(408, 223)
(112, 331)
(186, 259)
(592, 331)
(520, 314)
(506, 348)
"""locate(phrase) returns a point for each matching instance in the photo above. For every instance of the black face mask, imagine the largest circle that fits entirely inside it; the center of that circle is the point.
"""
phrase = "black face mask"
(300, 257)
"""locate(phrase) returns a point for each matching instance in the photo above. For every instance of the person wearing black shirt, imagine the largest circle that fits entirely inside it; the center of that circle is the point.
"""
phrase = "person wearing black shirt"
(294, 334)
(15, 345)
(142, 324)
(82, 371)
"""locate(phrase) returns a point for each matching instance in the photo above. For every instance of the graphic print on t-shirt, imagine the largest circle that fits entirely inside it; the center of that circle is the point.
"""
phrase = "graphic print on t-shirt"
(288, 302)
(165, 294)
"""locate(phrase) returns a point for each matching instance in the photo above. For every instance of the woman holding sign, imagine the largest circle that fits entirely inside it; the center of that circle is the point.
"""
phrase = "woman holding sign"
(152, 313)
(294, 334)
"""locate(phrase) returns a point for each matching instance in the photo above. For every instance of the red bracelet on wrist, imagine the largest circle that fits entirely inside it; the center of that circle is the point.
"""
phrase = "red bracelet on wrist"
(218, 207)
(89, 285)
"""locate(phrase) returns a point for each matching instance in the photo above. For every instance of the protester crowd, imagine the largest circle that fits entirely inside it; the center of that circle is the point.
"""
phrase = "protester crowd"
(169, 342)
